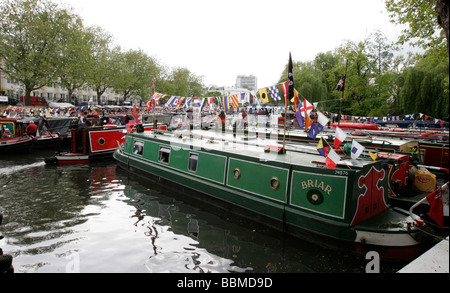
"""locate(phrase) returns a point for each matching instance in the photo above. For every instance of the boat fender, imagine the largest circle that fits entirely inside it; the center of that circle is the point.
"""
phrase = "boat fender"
(359, 133)
(411, 175)
(347, 148)
(429, 133)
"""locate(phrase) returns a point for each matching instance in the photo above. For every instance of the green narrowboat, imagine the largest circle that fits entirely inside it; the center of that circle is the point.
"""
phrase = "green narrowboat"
(293, 191)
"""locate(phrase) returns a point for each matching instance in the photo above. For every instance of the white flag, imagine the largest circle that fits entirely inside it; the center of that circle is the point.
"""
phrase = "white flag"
(357, 149)
(322, 120)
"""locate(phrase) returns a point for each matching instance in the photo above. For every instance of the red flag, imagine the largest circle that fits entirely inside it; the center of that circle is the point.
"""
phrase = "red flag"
(153, 85)
(135, 114)
(436, 208)
(284, 87)
(332, 159)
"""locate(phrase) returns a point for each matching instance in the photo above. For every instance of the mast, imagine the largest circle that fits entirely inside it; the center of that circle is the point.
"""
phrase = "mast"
(342, 96)
(290, 94)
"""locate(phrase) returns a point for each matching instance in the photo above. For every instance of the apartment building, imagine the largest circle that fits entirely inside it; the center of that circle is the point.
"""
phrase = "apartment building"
(249, 82)
(55, 93)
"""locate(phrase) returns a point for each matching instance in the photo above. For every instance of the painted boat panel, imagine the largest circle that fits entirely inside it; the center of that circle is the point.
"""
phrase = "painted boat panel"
(106, 140)
(319, 193)
(259, 179)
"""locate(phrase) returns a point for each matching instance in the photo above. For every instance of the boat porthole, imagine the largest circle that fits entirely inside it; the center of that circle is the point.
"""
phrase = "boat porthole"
(237, 173)
(274, 183)
(101, 141)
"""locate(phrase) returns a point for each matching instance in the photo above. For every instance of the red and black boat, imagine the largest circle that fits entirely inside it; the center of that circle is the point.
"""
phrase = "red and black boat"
(13, 139)
(96, 141)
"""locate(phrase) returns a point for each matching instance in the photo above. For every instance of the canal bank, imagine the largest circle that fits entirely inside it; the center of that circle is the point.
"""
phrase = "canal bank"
(435, 260)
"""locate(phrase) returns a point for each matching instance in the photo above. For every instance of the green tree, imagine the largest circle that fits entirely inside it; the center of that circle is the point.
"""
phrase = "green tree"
(102, 63)
(74, 73)
(359, 76)
(134, 74)
(428, 21)
(32, 41)
(425, 87)
(184, 83)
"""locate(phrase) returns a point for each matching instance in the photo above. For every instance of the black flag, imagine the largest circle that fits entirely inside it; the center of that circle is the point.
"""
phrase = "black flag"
(341, 84)
(290, 77)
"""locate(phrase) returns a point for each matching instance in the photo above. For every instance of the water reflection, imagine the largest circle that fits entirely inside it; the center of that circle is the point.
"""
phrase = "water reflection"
(112, 221)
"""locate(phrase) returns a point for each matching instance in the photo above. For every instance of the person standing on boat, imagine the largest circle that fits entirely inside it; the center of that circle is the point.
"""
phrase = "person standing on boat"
(244, 120)
(222, 119)
(31, 129)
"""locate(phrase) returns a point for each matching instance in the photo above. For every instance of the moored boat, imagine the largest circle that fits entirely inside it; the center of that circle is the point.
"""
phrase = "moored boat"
(290, 190)
(94, 143)
(45, 137)
(423, 148)
(13, 138)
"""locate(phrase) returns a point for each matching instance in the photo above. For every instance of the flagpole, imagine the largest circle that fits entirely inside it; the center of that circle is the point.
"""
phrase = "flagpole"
(285, 122)
(290, 90)
(342, 96)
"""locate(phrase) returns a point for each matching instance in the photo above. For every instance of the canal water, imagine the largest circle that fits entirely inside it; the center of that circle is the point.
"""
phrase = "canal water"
(97, 218)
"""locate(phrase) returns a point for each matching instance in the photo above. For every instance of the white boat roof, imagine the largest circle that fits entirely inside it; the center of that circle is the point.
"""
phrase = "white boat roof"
(302, 155)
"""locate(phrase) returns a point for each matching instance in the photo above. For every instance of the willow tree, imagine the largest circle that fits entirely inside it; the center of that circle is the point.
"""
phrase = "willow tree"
(32, 39)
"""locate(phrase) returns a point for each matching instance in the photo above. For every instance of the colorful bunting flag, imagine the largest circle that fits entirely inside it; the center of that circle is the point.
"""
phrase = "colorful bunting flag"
(332, 159)
(308, 122)
(341, 84)
(323, 147)
(357, 150)
(285, 87)
(306, 107)
(322, 121)
(187, 104)
(180, 102)
(313, 131)
(294, 100)
(274, 93)
(298, 115)
(196, 102)
(234, 99)
(264, 96)
(339, 138)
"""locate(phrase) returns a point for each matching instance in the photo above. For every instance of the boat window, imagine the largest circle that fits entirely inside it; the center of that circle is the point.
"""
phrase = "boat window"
(138, 148)
(193, 162)
(164, 154)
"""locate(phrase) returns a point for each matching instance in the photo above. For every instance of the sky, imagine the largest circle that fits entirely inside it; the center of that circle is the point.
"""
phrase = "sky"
(221, 39)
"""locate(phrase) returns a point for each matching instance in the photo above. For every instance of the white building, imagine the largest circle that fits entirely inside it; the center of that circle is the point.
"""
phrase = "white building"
(247, 82)
(229, 91)
(54, 93)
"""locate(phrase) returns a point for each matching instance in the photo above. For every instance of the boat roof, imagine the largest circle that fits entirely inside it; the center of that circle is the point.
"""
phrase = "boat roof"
(250, 146)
